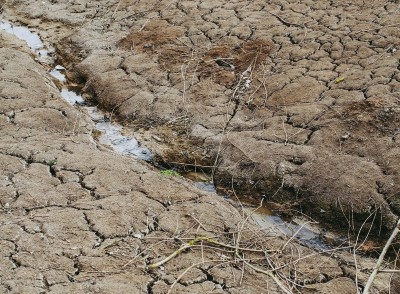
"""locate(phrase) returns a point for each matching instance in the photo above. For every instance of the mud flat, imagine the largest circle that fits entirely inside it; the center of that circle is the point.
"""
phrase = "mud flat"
(300, 98)
(109, 133)
(79, 218)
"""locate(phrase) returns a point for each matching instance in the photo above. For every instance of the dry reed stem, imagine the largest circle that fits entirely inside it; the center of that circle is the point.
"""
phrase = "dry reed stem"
(372, 277)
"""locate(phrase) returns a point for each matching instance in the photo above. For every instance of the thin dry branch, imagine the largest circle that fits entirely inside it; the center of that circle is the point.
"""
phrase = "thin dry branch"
(381, 258)
(193, 242)
(268, 273)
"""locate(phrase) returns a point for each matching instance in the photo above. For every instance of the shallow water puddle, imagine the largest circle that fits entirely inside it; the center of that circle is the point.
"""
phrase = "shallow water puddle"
(32, 40)
(112, 136)
(298, 228)
(111, 133)
(201, 181)
(57, 73)
(271, 222)
(265, 218)
(71, 97)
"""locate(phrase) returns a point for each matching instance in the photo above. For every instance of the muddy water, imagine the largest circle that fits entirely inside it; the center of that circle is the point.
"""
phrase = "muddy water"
(43, 52)
(299, 228)
(201, 181)
(304, 230)
(112, 135)
(111, 132)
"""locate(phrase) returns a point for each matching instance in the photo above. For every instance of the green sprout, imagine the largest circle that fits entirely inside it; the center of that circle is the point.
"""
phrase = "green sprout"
(170, 172)
(53, 162)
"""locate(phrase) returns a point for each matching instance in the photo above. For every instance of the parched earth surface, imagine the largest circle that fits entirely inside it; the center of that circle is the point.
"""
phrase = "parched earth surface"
(274, 95)
(296, 102)
(78, 218)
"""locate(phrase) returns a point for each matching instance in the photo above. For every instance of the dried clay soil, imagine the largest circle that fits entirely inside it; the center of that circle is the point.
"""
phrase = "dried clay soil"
(300, 97)
(78, 218)
(295, 101)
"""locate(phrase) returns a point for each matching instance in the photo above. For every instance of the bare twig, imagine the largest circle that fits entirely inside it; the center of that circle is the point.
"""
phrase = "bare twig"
(391, 271)
(285, 22)
(188, 269)
(116, 9)
(294, 235)
(310, 255)
(195, 165)
(175, 253)
(193, 242)
(216, 159)
(381, 258)
(394, 266)
(241, 229)
(355, 245)
(198, 221)
(268, 273)
(284, 129)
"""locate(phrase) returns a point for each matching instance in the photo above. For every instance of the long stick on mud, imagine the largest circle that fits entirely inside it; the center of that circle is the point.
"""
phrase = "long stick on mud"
(381, 257)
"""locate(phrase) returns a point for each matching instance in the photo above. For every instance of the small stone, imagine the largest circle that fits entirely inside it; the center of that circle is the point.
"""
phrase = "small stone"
(158, 139)
(346, 136)
(138, 236)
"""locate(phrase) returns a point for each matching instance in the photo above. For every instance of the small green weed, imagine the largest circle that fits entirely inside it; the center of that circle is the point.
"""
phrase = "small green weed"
(170, 172)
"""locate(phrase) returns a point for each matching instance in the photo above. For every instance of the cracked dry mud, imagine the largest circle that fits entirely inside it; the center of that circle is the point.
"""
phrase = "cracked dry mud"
(299, 98)
(77, 218)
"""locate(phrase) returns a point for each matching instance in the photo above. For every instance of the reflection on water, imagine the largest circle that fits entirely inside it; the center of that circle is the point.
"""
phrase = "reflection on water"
(268, 220)
(201, 181)
(111, 135)
(300, 229)
(32, 40)
(24, 34)
(209, 187)
(71, 97)
(57, 73)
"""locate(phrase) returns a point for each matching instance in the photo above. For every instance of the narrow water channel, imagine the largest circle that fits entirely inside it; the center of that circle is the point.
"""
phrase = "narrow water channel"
(111, 134)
